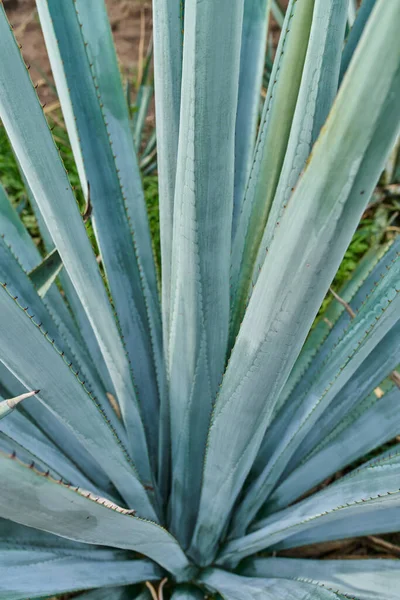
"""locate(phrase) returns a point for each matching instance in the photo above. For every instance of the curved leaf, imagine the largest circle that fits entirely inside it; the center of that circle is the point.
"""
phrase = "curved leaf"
(37, 501)
(355, 34)
(370, 425)
(363, 494)
(49, 574)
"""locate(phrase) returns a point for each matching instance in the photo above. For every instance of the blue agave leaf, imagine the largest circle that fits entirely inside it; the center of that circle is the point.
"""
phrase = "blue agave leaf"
(361, 579)
(361, 495)
(373, 423)
(307, 249)
(45, 574)
(37, 501)
(201, 241)
(355, 34)
(236, 587)
(87, 70)
(81, 414)
(252, 59)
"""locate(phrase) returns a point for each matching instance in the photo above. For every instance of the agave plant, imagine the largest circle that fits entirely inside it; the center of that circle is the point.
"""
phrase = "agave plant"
(173, 447)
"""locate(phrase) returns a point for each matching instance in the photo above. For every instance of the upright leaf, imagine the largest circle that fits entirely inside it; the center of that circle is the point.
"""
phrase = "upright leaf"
(37, 154)
(202, 240)
(355, 34)
(38, 360)
(307, 249)
(37, 501)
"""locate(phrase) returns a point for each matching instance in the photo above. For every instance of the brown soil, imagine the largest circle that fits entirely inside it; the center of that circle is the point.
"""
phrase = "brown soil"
(131, 24)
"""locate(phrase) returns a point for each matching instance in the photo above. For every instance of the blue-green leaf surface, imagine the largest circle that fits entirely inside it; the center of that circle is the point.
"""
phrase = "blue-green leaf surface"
(354, 292)
(187, 592)
(58, 433)
(79, 326)
(26, 434)
(39, 364)
(236, 587)
(23, 247)
(91, 73)
(317, 92)
(44, 275)
(201, 241)
(373, 370)
(355, 34)
(304, 256)
(378, 316)
(15, 234)
(37, 154)
(363, 493)
(37, 501)
(379, 364)
(373, 423)
(21, 286)
(44, 574)
(270, 151)
(361, 579)
(168, 55)
(252, 60)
